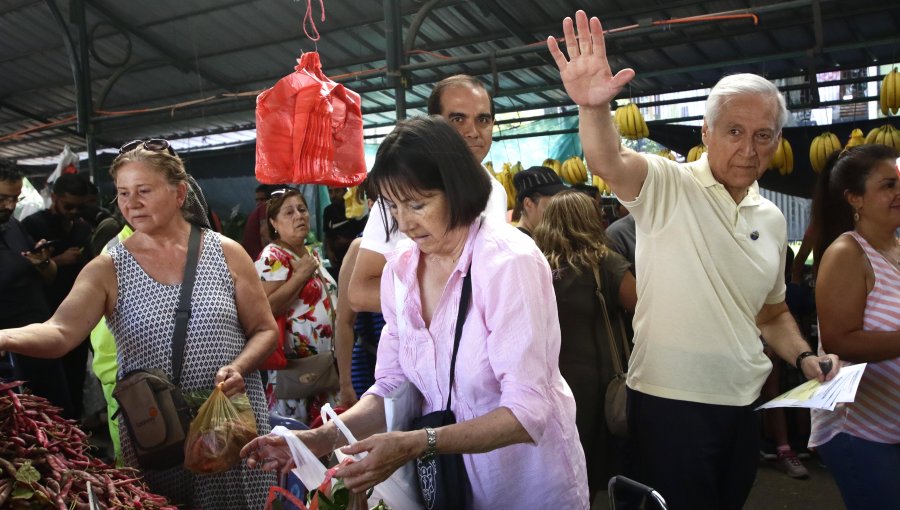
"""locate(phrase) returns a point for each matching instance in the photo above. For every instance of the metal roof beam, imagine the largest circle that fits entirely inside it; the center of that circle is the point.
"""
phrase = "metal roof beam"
(179, 63)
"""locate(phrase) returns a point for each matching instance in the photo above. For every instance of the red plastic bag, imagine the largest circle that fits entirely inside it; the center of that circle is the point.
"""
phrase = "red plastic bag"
(309, 130)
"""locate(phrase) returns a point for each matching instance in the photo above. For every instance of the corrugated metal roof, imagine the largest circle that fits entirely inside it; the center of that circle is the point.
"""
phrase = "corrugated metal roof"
(149, 55)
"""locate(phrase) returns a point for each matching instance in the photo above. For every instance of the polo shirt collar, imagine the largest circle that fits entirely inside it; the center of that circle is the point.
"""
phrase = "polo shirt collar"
(703, 174)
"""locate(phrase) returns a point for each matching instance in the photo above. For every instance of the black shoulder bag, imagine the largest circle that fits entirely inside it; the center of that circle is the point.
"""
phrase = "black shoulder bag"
(156, 414)
(442, 478)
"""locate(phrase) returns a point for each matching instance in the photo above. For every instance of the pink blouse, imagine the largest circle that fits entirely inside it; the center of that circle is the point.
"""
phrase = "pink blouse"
(508, 357)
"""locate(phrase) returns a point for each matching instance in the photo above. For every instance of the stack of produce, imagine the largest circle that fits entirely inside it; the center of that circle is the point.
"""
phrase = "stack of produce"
(885, 135)
(821, 147)
(44, 462)
(630, 122)
(889, 98)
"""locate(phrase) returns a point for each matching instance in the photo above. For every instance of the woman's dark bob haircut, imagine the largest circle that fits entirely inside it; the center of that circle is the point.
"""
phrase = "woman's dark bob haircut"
(425, 154)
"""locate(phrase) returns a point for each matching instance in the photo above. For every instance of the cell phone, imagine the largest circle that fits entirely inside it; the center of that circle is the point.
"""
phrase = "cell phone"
(48, 244)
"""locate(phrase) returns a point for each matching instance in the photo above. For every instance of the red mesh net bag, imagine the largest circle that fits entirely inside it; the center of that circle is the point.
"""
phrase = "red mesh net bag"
(309, 130)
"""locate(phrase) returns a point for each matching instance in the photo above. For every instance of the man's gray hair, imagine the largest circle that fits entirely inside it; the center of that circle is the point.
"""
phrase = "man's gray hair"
(742, 84)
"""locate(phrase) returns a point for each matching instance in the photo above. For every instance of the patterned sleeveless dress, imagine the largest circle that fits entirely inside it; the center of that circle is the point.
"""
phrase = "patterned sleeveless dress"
(143, 322)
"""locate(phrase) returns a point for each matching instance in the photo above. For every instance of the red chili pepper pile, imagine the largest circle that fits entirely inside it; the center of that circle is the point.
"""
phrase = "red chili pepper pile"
(44, 462)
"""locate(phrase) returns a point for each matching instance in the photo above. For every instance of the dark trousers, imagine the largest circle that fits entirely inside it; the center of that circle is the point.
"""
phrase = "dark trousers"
(698, 456)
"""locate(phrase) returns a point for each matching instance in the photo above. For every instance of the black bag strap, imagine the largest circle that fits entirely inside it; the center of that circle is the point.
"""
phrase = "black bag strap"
(617, 364)
(460, 321)
(183, 312)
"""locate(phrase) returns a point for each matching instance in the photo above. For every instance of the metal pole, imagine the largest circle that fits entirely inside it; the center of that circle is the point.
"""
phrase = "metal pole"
(85, 97)
(394, 37)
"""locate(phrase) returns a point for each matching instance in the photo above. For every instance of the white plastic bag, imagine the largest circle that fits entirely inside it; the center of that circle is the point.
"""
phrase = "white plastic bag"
(396, 491)
(308, 468)
(401, 406)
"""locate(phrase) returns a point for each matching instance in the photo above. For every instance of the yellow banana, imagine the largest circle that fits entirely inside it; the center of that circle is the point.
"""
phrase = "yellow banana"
(695, 152)
(870, 138)
(778, 158)
(629, 121)
(640, 126)
(553, 164)
(880, 137)
(788, 156)
(856, 138)
(885, 98)
(894, 101)
(821, 147)
(489, 165)
(565, 171)
(895, 138)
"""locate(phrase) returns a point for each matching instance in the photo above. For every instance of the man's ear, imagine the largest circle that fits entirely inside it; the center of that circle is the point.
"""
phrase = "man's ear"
(703, 132)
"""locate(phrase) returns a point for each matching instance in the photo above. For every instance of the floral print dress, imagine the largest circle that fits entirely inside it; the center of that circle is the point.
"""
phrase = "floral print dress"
(309, 325)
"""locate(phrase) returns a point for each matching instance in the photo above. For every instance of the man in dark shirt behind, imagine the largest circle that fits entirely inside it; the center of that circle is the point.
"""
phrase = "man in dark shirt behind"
(62, 223)
(22, 302)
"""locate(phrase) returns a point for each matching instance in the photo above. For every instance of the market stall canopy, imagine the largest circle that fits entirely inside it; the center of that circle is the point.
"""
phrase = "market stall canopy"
(179, 69)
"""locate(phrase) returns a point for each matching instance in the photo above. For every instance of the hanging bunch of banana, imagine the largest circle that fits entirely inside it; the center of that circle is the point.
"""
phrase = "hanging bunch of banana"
(783, 161)
(695, 152)
(821, 147)
(601, 185)
(666, 153)
(573, 171)
(490, 166)
(630, 122)
(856, 138)
(885, 135)
(889, 98)
(505, 178)
(553, 164)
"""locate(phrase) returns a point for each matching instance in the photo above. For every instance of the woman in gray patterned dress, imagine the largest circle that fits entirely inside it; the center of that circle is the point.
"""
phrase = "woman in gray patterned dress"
(136, 286)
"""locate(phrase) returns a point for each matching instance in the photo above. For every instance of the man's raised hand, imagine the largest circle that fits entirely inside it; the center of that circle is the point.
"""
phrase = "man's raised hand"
(586, 74)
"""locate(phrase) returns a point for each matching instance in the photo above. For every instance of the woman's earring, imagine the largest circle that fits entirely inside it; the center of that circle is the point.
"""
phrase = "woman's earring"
(856, 216)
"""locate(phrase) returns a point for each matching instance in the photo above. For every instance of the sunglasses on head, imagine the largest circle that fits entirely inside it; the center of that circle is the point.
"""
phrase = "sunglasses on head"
(278, 192)
(153, 144)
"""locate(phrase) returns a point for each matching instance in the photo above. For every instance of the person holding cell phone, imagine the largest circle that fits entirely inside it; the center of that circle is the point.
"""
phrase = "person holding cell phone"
(68, 242)
(25, 267)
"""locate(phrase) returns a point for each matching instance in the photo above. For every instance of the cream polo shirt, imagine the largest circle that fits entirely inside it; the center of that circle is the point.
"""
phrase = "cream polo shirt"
(705, 266)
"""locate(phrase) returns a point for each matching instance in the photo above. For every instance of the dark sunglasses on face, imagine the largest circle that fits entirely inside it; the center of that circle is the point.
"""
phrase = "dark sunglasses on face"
(153, 144)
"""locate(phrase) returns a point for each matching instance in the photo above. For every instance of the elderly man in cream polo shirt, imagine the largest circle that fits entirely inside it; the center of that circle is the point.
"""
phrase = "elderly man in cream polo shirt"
(710, 254)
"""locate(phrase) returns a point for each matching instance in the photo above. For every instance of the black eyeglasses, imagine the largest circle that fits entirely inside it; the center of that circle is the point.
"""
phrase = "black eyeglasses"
(153, 144)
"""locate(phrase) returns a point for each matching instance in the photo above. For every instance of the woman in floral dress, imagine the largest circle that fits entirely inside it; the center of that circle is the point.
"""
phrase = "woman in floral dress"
(300, 292)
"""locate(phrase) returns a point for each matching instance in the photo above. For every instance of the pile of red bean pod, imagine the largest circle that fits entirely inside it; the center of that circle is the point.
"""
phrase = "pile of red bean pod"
(44, 462)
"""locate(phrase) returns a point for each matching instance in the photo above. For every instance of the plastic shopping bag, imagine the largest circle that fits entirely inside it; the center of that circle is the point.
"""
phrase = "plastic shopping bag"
(400, 491)
(221, 428)
(309, 130)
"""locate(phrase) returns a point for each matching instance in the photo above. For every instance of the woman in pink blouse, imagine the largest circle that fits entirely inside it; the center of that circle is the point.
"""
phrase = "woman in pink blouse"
(515, 413)
(856, 213)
